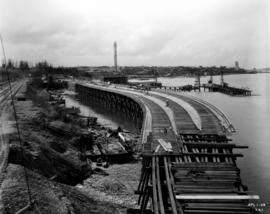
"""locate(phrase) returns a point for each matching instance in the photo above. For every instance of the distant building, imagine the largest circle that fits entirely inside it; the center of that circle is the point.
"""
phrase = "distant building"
(116, 79)
(150, 84)
(236, 67)
(115, 56)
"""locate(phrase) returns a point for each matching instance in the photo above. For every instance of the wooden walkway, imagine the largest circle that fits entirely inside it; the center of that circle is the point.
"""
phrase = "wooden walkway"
(183, 120)
(187, 170)
(160, 123)
(210, 123)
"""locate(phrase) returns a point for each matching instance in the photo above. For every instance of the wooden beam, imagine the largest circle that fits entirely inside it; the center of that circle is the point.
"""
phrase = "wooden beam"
(159, 189)
(166, 146)
(193, 154)
(214, 145)
(211, 164)
(216, 197)
(154, 183)
(169, 185)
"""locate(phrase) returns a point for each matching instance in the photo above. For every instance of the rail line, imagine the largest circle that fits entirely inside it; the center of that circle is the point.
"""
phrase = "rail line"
(226, 123)
(4, 147)
(183, 170)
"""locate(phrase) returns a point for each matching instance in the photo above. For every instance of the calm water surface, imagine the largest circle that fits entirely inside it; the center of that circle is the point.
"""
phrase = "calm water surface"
(251, 118)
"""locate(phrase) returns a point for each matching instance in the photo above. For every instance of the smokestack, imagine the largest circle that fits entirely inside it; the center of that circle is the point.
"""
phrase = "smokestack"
(221, 78)
(198, 81)
(211, 77)
(115, 56)
(236, 67)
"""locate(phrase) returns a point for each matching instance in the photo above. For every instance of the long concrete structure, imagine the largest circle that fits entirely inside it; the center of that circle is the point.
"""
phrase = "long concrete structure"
(185, 169)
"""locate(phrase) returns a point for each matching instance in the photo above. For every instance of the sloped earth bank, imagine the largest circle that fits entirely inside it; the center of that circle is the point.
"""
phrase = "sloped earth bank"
(50, 197)
(117, 187)
(43, 152)
(53, 164)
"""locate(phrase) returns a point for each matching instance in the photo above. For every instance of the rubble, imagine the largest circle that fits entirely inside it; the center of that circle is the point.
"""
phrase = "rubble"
(61, 149)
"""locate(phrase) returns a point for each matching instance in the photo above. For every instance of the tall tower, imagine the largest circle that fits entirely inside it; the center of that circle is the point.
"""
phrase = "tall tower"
(156, 74)
(198, 81)
(211, 78)
(236, 67)
(115, 56)
(221, 78)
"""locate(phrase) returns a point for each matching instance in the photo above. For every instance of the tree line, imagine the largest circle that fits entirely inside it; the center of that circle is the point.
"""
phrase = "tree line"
(11, 64)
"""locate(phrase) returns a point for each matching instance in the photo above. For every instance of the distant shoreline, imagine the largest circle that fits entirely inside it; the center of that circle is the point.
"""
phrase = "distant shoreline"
(142, 77)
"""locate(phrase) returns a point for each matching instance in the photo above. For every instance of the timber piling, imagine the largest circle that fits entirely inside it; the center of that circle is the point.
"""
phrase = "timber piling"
(183, 170)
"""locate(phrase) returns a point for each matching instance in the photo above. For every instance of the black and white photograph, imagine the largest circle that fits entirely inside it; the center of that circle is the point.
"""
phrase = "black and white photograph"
(135, 107)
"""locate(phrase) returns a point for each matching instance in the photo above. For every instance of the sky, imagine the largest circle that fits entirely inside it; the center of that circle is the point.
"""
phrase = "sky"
(148, 32)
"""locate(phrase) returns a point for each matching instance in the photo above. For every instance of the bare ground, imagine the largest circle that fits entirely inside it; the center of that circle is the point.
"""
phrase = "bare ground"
(113, 193)
(118, 187)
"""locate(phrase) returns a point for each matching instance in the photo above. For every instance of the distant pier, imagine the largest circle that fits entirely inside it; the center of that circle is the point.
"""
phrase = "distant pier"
(232, 91)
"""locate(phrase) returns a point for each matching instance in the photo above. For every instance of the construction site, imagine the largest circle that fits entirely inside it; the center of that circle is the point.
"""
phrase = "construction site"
(134, 107)
(55, 159)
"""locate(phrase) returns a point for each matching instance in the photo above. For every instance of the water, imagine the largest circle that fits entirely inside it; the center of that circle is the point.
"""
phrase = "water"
(251, 118)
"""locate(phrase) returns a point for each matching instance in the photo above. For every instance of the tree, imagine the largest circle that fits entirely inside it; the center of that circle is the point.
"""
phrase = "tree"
(10, 64)
(43, 65)
(23, 65)
(3, 64)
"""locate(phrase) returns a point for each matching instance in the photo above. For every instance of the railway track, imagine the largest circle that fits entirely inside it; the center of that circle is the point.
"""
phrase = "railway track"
(187, 171)
(223, 118)
(5, 96)
(210, 122)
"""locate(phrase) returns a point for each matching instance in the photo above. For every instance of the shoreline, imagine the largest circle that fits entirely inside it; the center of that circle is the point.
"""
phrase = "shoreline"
(53, 158)
(141, 77)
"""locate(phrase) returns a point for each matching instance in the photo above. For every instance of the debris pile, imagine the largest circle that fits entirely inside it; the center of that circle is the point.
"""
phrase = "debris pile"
(60, 149)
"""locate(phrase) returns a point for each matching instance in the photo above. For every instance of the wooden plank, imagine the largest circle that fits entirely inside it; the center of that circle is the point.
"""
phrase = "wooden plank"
(206, 179)
(145, 201)
(207, 172)
(224, 207)
(154, 183)
(234, 204)
(144, 185)
(160, 197)
(205, 191)
(178, 205)
(169, 185)
(216, 197)
(205, 184)
(193, 154)
(215, 212)
(166, 146)
(196, 158)
(214, 145)
(208, 165)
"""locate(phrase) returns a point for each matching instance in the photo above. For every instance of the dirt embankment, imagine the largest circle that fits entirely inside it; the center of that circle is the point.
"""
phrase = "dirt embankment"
(50, 197)
(54, 162)
(44, 152)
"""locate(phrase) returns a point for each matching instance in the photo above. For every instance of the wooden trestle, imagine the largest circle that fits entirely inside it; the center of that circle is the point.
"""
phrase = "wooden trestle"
(201, 178)
(185, 170)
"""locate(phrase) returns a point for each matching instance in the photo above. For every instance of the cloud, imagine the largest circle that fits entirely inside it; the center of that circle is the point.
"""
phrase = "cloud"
(175, 32)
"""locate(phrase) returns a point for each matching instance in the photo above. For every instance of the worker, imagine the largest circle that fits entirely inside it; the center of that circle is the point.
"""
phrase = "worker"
(165, 130)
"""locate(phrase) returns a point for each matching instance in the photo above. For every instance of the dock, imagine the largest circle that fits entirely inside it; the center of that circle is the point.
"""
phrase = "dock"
(232, 91)
(188, 163)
